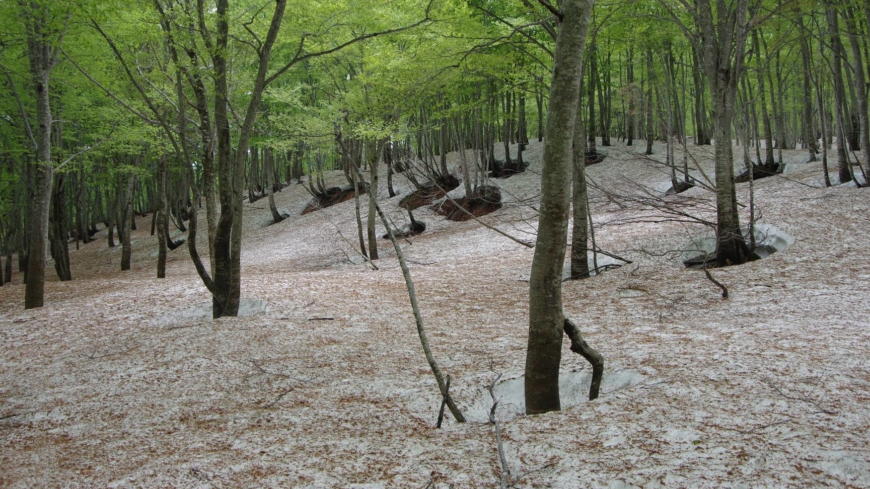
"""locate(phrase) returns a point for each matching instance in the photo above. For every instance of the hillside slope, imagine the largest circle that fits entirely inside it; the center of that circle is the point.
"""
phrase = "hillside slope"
(124, 380)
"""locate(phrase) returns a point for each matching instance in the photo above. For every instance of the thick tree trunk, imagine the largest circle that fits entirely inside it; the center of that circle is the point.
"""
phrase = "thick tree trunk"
(860, 87)
(546, 318)
(42, 56)
(723, 66)
(839, 95)
(730, 245)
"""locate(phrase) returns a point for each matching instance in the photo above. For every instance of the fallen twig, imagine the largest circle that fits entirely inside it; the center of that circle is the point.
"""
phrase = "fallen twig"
(579, 345)
(443, 403)
(724, 289)
(505, 470)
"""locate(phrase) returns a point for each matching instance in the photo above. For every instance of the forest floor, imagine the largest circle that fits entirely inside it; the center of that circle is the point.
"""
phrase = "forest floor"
(124, 380)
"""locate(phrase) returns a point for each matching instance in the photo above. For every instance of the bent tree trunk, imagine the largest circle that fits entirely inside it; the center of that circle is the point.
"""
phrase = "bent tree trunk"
(546, 319)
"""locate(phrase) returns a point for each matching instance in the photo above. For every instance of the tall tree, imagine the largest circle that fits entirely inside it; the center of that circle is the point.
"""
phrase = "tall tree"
(546, 319)
(719, 32)
(45, 24)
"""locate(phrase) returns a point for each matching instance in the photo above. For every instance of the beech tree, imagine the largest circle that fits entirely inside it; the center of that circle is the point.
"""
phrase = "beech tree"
(546, 319)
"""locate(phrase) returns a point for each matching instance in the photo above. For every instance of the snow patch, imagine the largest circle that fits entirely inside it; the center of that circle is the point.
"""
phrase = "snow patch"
(768, 238)
(573, 391)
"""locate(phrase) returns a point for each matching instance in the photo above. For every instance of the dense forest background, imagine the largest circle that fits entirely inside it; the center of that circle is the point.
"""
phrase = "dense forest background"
(110, 111)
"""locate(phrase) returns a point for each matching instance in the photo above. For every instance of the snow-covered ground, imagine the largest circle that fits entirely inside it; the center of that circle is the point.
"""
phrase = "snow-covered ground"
(124, 380)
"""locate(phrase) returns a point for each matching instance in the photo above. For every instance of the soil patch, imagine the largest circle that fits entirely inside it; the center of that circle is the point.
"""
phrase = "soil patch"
(429, 192)
(594, 157)
(484, 200)
(758, 172)
(500, 169)
(334, 195)
(408, 230)
(573, 391)
(768, 240)
(680, 187)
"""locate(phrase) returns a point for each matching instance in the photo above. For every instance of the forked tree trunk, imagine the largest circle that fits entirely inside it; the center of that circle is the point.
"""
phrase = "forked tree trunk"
(546, 318)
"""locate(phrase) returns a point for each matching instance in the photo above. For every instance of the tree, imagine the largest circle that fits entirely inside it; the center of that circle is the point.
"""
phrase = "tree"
(720, 35)
(546, 319)
(44, 26)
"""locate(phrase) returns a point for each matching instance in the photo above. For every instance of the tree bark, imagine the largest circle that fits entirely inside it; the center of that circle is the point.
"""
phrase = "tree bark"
(809, 133)
(860, 86)
(58, 232)
(579, 229)
(650, 107)
(546, 319)
(125, 215)
(42, 55)
(839, 93)
(372, 155)
(724, 46)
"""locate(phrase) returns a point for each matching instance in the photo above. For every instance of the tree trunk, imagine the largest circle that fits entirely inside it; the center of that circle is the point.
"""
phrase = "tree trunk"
(650, 107)
(723, 63)
(592, 83)
(579, 229)
(546, 318)
(769, 160)
(860, 87)
(160, 217)
(42, 54)
(629, 136)
(269, 163)
(839, 94)
(809, 133)
(372, 156)
(125, 216)
(58, 232)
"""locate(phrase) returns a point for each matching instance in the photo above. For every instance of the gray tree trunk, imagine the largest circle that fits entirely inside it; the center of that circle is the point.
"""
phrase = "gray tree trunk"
(546, 319)
(58, 231)
(724, 43)
(860, 87)
(839, 94)
(579, 229)
(125, 216)
(372, 156)
(42, 54)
